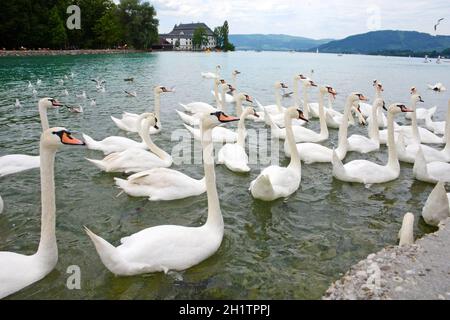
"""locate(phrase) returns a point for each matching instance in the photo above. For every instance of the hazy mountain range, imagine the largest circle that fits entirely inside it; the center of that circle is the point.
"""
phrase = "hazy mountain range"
(387, 41)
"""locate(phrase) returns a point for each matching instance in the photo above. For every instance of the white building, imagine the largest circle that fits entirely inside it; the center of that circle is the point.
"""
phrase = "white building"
(181, 36)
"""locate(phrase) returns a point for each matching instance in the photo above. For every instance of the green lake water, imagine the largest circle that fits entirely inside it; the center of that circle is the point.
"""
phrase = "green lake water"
(287, 249)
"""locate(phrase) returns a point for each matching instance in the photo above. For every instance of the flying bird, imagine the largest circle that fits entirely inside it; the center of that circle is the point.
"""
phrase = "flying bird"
(438, 23)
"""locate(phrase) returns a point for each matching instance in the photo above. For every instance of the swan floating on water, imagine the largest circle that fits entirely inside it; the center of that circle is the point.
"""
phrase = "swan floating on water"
(437, 206)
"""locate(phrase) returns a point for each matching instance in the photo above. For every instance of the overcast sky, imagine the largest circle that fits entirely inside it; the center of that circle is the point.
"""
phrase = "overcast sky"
(314, 19)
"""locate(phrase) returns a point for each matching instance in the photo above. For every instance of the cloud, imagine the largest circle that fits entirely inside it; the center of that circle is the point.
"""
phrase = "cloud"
(324, 19)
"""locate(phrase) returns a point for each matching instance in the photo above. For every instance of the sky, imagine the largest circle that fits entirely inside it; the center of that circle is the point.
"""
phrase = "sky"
(313, 19)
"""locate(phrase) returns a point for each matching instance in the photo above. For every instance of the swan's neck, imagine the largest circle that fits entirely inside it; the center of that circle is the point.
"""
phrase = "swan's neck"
(322, 119)
(374, 132)
(43, 117)
(343, 131)
(238, 106)
(233, 79)
(447, 130)
(392, 149)
(47, 244)
(241, 130)
(296, 92)
(330, 105)
(305, 102)
(223, 98)
(415, 129)
(216, 94)
(144, 133)
(158, 107)
(278, 100)
(215, 218)
(295, 157)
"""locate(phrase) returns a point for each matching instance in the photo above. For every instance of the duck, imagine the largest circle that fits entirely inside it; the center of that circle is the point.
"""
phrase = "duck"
(421, 113)
(137, 160)
(302, 134)
(438, 127)
(171, 247)
(276, 182)
(233, 155)
(366, 108)
(437, 206)
(432, 172)
(362, 144)
(18, 271)
(15, 163)
(129, 121)
(313, 152)
(367, 172)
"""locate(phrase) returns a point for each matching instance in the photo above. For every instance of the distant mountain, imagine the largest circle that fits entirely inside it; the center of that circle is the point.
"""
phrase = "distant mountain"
(388, 41)
(273, 42)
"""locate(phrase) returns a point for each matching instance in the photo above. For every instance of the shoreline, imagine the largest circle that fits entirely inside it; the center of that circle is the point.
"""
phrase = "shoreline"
(420, 271)
(30, 53)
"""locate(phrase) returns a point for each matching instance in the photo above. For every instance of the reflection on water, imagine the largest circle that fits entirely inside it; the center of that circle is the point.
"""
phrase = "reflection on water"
(291, 248)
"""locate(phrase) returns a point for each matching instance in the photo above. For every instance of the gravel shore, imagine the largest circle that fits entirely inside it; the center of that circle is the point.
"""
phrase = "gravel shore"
(415, 272)
(25, 53)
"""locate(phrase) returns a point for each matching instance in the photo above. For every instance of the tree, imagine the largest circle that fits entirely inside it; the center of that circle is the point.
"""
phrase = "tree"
(221, 36)
(108, 29)
(218, 36)
(199, 38)
(57, 32)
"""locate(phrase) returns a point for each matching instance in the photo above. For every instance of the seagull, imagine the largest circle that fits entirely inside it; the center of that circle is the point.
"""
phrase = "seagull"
(72, 75)
(101, 89)
(30, 85)
(93, 103)
(66, 77)
(65, 92)
(99, 82)
(75, 109)
(61, 82)
(39, 82)
(131, 94)
(34, 92)
(438, 23)
(83, 95)
(18, 105)
(438, 87)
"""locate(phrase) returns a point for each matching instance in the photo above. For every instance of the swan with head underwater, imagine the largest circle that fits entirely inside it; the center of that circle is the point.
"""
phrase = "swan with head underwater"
(137, 159)
(14, 163)
(18, 271)
(276, 182)
(129, 121)
(302, 134)
(367, 172)
(313, 152)
(233, 155)
(171, 247)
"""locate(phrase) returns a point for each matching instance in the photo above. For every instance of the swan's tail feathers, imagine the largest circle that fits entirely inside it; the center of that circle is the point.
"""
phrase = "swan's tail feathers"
(185, 107)
(420, 166)
(261, 187)
(91, 143)
(187, 119)
(108, 253)
(190, 129)
(406, 232)
(436, 208)
(98, 163)
(338, 167)
(118, 122)
(121, 183)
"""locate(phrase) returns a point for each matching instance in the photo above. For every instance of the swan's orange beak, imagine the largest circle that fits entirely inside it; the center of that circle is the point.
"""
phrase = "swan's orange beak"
(406, 109)
(66, 138)
(224, 118)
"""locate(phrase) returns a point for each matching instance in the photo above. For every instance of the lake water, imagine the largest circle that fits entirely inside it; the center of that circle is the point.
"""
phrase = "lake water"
(287, 249)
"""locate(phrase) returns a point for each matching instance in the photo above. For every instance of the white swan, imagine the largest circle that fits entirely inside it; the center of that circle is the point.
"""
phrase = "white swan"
(406, 232)
(233, 155)
(277, 107)
(362, 144)
(171, 247)
(437, 206)
(136, 160)
(421, 113)
(14, 163)
(18, 271)
(432, 172)
(211, 75)
(438, 127)
(367, 172)
(312, 152)
(306, 84)
(302, 134)
(224, 97)
(129, 121)
(366, 108)
(334, 118)
(276, 182)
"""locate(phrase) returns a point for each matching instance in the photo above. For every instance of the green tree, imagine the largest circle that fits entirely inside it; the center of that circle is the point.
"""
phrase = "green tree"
(199, 38)
(108, 29)
(218, 36)
(221, 36)
(56, 29)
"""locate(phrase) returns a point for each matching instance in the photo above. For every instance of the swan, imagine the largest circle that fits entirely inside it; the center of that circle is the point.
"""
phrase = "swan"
(334, 118)
(129, 121)
(437, 206)
(413, 133)
(312, 152)
(367, 172)
(234, 75)
(432, 172)
(406, 232)
(302, 134)
(276, 108)
(421, 113)
(211, 75)
(171, 247)
(219, 134)
(306, 84)
(276, 182)
(14, 163)
(233, 155)
(256, 116)
(366, 108)
(228, 98)
(18, 271)
(361, 144)
(136, 160)
(438, 87)
(438, 127)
